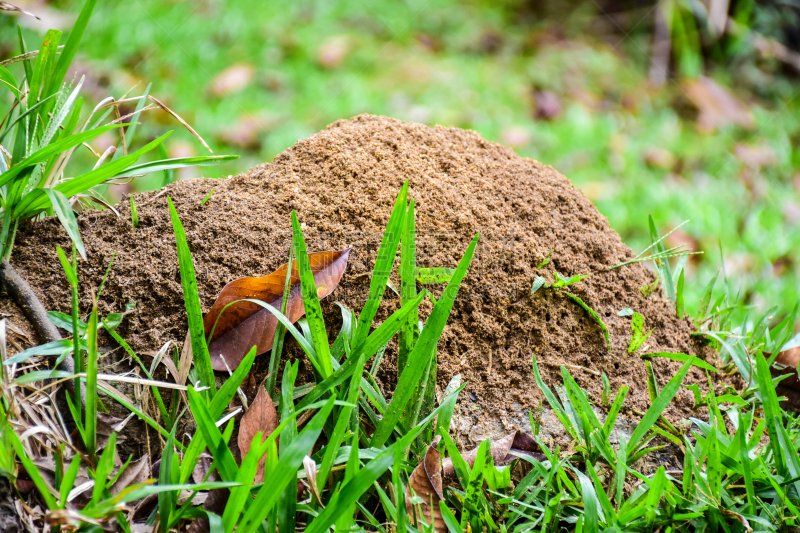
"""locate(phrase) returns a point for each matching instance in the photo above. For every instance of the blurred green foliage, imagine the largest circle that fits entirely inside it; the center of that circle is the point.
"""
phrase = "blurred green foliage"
(497, 68)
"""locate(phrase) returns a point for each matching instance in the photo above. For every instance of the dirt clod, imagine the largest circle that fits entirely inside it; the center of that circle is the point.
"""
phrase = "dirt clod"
(343, 182)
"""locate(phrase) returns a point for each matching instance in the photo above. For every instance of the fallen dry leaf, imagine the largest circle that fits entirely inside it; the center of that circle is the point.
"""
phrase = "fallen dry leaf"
(716, 105)
(504, 451)
(136, 472)
(332, 52)
(247, 131)
(659, 158)
(756, 156)
(786, 365)
(547, 105)
(426, 481)
(232, 79)
(262, 417)
(245, 324)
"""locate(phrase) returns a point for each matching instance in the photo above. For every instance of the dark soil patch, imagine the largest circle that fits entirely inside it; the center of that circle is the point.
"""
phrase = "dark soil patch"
(343, 182)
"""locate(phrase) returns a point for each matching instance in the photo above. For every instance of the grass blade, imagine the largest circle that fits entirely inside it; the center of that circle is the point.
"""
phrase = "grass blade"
(594, 315)
(316, 322)
(91, 383)
(383, 267)
(408, 288)
(202, 359)
(658, 406)
(423, 351)
(70, 47)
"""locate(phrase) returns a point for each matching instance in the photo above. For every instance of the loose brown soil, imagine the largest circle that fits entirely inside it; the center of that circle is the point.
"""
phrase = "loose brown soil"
(343, 182)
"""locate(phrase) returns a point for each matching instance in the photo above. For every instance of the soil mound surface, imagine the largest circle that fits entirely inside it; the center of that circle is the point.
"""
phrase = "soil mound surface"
(343, 182)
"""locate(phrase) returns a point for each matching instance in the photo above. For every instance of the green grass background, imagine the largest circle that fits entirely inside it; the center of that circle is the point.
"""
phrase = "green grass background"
(475, 65)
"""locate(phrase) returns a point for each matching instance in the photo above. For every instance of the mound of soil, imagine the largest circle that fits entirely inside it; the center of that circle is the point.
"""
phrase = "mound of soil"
(342, 182)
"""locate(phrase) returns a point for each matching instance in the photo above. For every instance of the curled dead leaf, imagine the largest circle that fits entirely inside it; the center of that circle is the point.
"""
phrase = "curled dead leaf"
(426, 482)
(262, 417)
(245, 324)
(232, 79)
(786, 365)
(716, 105)
(504, 451)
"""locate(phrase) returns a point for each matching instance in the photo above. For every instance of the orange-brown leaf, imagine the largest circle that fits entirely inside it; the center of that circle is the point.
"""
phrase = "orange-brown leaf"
(245, 324)
(426, 480)
(262, 417)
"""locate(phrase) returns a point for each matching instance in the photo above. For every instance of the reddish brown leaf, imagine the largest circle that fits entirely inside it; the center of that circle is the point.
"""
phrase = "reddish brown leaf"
(245, 324)
(232, 79)
(504, 451)
(716, 105)
(262, 417)
(786, 365)
(426, 481)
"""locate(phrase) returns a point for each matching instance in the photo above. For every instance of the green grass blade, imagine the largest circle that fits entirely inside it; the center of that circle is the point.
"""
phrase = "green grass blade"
(772, 411)
(352, 491)
(611, 418)
(70, 47)
(593, 314)
(383, 267)
(662, 265)
(744, 459)
(342, 421)
(448, 405)
(46, 152)
(36, 201)
(434, 275)
(31, 469)
(91, 383)
(280, 331)
(217, 406)
(66, 216)
(202, 359)
(408, 288)
(45, 63)
(290, 460)
(657, 408)
(679, 296)
(316, 321)
(175, 163)
(551, 398)
(423, 351)
(682, 357)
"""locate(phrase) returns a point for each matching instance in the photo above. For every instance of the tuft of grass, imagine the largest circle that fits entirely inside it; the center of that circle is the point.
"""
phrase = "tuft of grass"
(134, 213)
